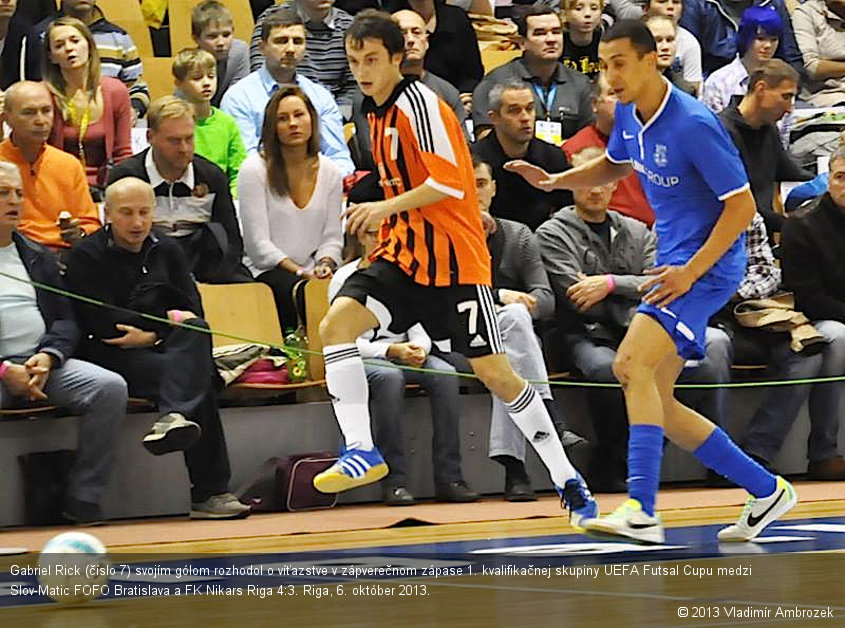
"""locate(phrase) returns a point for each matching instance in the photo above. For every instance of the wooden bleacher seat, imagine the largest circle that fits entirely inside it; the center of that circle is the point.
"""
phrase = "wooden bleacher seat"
(158, 75)
(248, 310)
(127, 15)
(243, 309)
(316, 306)
(492, 59)
(27, 413)
(180, 22)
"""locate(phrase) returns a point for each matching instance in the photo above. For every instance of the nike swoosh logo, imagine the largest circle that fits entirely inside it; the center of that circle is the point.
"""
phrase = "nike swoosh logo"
(627, 136)
(753, 521)
(641, 526)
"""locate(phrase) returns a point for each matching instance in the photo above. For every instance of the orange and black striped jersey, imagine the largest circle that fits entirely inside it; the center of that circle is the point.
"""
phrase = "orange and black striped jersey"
(417, 140)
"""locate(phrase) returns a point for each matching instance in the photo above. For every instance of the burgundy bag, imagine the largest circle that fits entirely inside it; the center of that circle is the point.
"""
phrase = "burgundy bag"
(285, 484)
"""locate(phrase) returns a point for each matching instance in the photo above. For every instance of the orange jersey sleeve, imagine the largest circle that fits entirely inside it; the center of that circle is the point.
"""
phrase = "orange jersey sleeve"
(418, 140)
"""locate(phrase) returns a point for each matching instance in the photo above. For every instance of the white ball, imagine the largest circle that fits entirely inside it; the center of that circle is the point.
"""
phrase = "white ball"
(74, 567)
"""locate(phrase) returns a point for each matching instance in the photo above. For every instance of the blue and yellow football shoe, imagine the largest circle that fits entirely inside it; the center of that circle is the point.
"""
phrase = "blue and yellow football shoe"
(354, 468)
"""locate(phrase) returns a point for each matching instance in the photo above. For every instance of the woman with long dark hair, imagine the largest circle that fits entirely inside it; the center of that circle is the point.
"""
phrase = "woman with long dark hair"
(290, 201)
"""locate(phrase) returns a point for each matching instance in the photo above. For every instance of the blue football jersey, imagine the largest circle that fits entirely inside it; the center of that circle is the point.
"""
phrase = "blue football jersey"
(688, 166)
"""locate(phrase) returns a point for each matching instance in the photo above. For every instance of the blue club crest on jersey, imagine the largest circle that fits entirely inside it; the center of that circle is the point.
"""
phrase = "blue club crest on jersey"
(660, 156)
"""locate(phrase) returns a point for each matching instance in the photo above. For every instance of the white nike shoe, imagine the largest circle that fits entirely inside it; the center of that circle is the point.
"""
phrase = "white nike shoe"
(760, 512)
(628, 521)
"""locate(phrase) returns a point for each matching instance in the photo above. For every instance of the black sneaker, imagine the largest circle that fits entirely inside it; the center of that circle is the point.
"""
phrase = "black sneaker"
(82, 513)
(519, 490)
(457, 492)
(398, 496)
(172, 432)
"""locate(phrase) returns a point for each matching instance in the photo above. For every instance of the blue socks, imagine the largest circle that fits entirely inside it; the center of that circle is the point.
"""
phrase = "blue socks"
(645, 452)
(722, 455)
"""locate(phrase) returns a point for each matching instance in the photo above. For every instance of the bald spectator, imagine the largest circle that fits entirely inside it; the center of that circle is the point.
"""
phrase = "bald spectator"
(53, 181)
(454, 54)
(129, 266)
(413, 64)
(193, 202)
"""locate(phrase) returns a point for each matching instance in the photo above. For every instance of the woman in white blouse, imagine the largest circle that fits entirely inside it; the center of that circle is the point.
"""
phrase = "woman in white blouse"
(290, 202)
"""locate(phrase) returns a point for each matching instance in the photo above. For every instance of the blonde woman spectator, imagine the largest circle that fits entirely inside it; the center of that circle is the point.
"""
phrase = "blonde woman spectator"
(92, 113)
(688, 50)
(665, 36)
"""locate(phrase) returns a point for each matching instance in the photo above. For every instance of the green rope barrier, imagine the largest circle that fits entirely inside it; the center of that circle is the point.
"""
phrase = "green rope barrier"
(289, 350)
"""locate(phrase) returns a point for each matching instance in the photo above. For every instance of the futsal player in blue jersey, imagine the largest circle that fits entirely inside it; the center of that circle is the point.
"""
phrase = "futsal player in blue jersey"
(695, 180)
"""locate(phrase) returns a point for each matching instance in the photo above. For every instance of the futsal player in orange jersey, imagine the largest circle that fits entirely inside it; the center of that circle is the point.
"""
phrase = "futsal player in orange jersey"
(431, 266)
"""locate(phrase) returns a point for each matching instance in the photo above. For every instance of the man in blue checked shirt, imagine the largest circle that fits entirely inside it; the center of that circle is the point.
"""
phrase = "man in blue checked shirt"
(695, 181)
(283, 46)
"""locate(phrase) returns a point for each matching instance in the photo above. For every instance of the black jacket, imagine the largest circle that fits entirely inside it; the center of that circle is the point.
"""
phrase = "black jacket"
(765, 159)
(516, 199)
(813, 259)
(152, 281)
(62, 335)
(10, 58)
(224, 221)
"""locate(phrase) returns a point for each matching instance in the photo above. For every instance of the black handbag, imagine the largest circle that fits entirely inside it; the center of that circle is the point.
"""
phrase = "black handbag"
(45, 479)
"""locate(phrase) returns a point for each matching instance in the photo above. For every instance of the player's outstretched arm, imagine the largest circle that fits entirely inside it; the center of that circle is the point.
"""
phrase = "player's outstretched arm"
(599, 171)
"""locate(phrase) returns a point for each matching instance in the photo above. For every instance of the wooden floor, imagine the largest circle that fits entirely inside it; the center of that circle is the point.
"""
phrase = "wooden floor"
(803, 582)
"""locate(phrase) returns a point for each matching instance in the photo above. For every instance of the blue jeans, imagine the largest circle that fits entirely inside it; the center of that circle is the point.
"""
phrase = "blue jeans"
(387, 409)
(607, 406)
(775, 416)
(99, 396)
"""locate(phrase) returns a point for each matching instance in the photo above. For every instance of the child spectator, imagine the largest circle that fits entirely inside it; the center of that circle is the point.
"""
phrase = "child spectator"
(212, 28)
(688, 50)
(665, 36)
(581, 37)
(216, 135)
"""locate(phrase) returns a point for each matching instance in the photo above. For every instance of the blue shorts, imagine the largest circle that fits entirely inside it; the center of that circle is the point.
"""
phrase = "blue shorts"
(686, 318)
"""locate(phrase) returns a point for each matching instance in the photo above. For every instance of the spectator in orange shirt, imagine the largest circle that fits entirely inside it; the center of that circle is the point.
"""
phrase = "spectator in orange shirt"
(53, 181)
